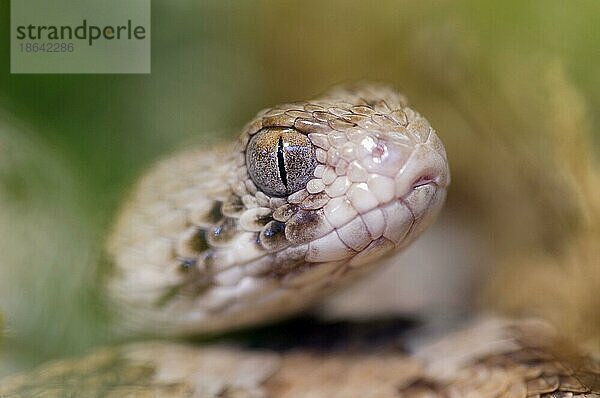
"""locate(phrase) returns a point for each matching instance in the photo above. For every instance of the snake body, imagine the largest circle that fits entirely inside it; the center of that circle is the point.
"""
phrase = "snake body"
(311, 195)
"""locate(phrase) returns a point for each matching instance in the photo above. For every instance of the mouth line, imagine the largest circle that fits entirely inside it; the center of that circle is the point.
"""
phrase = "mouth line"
(403, 198)
(424, 180)
(421, 182)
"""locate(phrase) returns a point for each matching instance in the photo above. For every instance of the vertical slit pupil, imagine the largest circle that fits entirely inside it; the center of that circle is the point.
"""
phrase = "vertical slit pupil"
(280, 162)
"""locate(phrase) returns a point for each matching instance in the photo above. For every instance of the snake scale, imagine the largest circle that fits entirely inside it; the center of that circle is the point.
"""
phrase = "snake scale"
(310, 196)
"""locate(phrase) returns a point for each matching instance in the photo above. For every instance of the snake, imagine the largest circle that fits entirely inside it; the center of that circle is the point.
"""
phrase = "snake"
(310, 197)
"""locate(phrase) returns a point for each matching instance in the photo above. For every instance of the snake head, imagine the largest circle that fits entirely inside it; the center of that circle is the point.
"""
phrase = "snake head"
(314, 193)
(346, 178)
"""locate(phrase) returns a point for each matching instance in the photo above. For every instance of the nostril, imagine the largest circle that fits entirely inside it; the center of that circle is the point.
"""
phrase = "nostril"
(379, 152)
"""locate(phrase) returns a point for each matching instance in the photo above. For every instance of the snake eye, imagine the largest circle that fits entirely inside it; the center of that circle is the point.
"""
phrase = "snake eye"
(280, 160)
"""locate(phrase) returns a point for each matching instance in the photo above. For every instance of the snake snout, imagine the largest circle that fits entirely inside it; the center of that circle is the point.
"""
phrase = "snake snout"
(425, 166)
(402, 163)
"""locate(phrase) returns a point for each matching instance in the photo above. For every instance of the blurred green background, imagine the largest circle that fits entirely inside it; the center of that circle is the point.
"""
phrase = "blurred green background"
(70, 145)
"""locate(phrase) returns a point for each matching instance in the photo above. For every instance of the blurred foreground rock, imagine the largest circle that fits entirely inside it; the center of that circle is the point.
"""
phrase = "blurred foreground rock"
(492, 358)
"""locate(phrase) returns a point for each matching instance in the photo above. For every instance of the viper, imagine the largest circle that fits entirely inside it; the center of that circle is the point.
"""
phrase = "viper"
(312, 196)
(309, 198)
